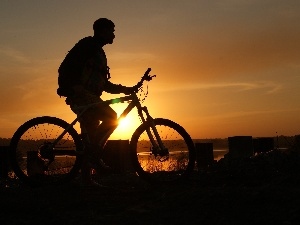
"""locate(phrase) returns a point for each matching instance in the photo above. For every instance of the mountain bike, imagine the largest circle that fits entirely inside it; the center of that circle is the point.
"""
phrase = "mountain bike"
(49, 150)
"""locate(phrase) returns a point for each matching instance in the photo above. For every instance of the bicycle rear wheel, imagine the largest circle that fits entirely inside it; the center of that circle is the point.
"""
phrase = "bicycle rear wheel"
(156, 168)
(36, 160)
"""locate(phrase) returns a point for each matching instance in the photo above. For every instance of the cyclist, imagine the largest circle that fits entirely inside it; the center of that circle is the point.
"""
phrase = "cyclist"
(83, 76)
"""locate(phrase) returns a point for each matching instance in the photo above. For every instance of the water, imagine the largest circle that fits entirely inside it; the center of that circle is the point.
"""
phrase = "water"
(219, 153)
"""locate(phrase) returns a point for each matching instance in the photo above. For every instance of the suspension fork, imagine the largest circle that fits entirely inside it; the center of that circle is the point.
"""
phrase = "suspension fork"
(158, 147)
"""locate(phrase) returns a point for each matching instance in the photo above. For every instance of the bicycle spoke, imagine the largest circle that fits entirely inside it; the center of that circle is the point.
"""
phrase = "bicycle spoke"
(35, 158)
(161, 167)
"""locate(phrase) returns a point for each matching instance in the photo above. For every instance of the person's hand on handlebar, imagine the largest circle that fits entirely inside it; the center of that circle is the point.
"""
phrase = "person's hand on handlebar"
(136, 87)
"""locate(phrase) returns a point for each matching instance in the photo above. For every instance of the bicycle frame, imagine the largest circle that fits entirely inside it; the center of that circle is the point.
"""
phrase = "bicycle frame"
(133, 102)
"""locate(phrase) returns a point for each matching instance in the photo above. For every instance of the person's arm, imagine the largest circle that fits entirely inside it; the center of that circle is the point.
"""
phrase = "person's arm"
(117, 88)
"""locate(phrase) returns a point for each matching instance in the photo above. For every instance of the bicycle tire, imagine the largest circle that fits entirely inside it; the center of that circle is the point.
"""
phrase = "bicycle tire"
(180, 162)
(28, 155)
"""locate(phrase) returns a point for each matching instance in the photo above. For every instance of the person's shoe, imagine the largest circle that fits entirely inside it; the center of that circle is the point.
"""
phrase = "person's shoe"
(101, 168)
(98, 171)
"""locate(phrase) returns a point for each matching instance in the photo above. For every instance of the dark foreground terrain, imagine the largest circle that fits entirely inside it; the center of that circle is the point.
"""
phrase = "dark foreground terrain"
(261, 190)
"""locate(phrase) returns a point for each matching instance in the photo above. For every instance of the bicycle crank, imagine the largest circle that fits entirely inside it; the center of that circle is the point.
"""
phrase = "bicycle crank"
(46, 152)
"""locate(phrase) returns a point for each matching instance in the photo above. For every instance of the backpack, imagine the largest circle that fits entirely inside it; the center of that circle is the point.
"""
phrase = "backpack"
(70, 70)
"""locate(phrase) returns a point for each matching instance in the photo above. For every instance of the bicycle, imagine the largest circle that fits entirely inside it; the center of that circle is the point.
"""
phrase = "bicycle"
(160, 149)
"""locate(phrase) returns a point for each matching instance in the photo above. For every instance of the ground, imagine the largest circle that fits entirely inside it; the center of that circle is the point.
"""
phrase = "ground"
(261, 190)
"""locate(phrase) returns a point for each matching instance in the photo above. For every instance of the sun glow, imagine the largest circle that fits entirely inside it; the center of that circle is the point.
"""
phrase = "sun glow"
(124, 123)
(125, 128)
(127, 125)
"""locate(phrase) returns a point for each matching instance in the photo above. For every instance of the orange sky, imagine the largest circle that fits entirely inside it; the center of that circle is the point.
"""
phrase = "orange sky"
(224, 68)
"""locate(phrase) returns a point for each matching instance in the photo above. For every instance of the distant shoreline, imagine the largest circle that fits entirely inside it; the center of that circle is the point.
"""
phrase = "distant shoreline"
(218, 143)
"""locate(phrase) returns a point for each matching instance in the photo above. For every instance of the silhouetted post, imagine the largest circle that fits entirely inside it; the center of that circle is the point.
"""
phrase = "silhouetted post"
(263, 144)
(4, 151)
(116, 155)
(204, 155)
(297, 142)
(240, 146)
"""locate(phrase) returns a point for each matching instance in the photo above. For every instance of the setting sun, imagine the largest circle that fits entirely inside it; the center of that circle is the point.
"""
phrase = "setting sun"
(127, 125)
(124, 123)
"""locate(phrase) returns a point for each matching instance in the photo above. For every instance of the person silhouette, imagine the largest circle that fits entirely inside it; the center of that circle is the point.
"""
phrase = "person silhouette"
(83, 76)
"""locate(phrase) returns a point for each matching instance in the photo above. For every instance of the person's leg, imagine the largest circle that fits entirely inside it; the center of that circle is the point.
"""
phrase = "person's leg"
(108, 118)
(88, 126)
(90, 121)
(95, 132)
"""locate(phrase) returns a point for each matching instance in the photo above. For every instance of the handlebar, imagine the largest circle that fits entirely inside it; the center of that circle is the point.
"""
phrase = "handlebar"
(145, 77)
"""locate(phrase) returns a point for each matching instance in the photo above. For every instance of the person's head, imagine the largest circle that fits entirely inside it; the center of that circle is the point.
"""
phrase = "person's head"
(104, 30)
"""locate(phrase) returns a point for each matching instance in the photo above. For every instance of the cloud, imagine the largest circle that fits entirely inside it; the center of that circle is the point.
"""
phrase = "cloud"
(230, 44)
(269, 87)
(239, 52)
(26, 85)
(130, 56)
(13, 54)
(238, 114)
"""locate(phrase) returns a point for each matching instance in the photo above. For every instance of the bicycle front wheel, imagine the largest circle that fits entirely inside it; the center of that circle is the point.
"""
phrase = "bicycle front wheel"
(150, 165)
(38, 157)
